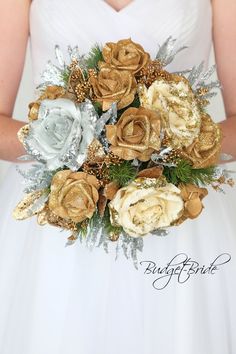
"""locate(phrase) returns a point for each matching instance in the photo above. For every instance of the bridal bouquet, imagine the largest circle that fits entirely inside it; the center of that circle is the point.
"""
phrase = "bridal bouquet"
(123, 147)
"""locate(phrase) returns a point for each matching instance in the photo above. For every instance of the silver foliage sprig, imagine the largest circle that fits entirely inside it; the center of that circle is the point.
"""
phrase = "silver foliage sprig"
(96, 236)
(197, 76)
(54, 74)
(58, 74)
(167, 51)
(36, 177)
(199, 79)
(109, 116)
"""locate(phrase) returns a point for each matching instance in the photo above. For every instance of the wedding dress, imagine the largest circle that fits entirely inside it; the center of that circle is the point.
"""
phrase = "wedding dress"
(68, 300)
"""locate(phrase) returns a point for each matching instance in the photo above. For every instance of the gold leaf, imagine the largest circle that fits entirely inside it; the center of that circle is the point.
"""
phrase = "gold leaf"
(23, 209)
(110, 190)
(153, 172)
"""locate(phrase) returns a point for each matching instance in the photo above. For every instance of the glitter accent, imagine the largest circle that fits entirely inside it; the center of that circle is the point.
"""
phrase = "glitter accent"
(160, 232)
(226, 157)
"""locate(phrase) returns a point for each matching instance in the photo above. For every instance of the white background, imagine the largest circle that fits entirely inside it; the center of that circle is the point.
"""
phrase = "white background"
(26, 95)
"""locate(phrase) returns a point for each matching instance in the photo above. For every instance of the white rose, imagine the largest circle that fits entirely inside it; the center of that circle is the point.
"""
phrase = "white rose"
(180, 112)
(146, 205)
(61, 134)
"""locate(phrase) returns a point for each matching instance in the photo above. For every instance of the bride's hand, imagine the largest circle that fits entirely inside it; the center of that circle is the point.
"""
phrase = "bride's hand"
(224, 36)
(14, 32)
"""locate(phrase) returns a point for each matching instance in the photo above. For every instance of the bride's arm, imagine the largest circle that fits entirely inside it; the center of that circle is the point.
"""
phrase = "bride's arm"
(224, 34)
(14, 30)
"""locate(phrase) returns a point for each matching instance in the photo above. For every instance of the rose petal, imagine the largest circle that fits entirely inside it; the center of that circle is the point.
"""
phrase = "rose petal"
(194, 208)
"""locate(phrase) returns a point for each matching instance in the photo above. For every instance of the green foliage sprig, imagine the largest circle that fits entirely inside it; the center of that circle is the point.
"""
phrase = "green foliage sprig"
(123, 174)
(185, 173)
(65, 75)
(94, 56)
(98, 107)
(136, 102)
(83, 227)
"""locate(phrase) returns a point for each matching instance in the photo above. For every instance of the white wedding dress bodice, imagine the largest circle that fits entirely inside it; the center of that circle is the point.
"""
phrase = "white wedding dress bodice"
(148, 22)
(68, 300)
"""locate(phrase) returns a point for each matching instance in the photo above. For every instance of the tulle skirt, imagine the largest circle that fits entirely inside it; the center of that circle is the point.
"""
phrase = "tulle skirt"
(69, 300)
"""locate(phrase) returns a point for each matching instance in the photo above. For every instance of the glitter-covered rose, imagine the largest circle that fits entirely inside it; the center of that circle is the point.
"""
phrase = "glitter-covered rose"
(135, 135)
(145, 205)
(74, 195)
(205, 149)
(177, 104)
(125, 55)
(61, 134)
(113, 85)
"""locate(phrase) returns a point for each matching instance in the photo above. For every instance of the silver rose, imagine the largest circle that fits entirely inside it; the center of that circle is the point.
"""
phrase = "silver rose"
(61, 134)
